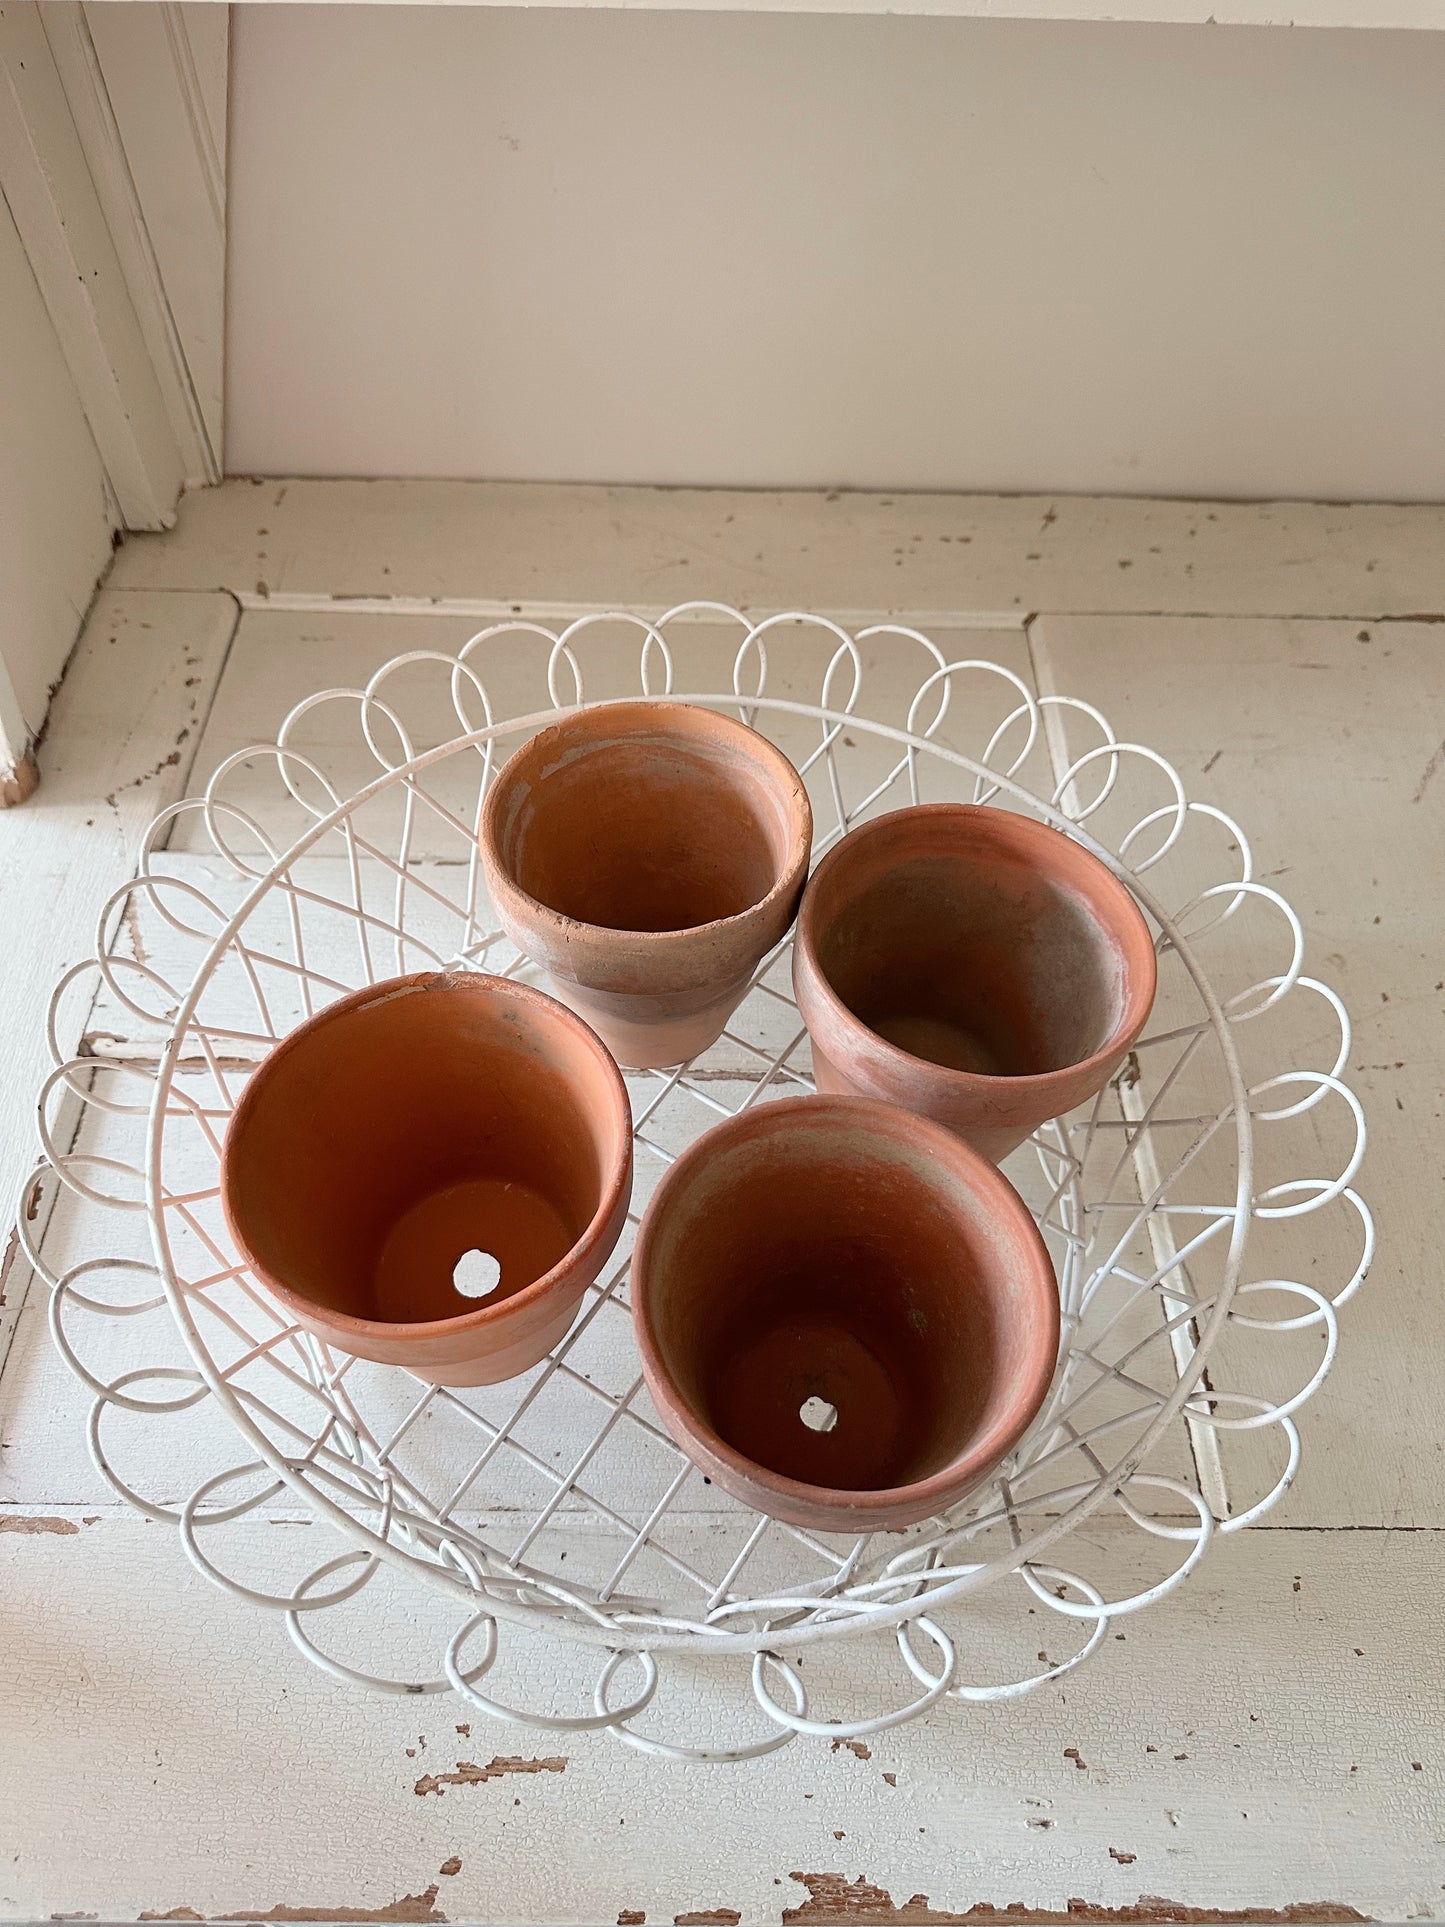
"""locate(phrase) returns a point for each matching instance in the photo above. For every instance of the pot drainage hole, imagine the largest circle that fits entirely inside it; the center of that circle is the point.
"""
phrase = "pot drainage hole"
(818, 1415)
(477, 1274)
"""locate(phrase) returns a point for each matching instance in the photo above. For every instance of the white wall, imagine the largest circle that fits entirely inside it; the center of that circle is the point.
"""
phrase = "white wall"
(792, 250)
(55, 518)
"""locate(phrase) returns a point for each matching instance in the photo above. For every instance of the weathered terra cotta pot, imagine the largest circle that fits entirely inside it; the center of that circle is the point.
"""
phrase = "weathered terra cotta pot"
(972, 965)
(648, 855)
(847, 1318)
(431, 1172)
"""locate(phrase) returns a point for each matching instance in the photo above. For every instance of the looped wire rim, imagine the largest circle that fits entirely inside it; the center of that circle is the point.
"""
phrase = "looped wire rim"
(833, 1614)
(348, 1475)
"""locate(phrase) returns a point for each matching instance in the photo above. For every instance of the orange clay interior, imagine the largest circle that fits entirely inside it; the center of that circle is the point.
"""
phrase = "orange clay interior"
(389, 1141)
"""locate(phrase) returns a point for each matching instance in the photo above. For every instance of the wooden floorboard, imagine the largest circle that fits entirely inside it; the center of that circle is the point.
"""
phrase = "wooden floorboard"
(535, 543)
(1324, 740)
(1251, 1743)
(122, 736)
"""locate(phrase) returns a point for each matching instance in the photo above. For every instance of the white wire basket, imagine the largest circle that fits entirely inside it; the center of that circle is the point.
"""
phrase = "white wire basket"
(552, 1515)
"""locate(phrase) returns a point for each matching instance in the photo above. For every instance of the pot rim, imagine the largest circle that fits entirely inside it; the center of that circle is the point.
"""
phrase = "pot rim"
(1141, 977)
(855, 1506)
(617, 1183)
(762, 750)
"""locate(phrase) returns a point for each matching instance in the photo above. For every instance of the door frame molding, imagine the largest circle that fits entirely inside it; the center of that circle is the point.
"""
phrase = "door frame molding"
(96, 127)
(127, 63)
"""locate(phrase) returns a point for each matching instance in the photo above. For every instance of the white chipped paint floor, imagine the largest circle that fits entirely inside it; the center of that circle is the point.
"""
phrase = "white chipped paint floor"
(1268, 1738)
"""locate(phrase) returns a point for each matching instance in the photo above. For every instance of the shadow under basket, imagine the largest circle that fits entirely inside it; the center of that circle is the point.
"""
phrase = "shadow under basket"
(431, 1172)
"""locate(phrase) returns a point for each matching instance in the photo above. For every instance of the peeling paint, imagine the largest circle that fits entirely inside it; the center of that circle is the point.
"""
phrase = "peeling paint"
(12, 1252)
(413, 1908)
(148, 776)
(631, 1917)
(856, 1748)
(709, 1917)
(1432, 770)
(468, 1773)
(17, 1522)
(454, 1865)
(131, 918)
(832, 1899)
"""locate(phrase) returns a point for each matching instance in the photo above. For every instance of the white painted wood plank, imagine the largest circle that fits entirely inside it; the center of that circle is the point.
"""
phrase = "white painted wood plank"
(650, 548)
(1251, 1744)
(123, 729)
(1324, 740)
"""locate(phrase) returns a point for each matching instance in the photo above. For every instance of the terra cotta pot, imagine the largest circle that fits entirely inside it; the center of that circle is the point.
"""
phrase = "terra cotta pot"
(398, 1151)
(847, 1318)
(972, 965)
(648, 855)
